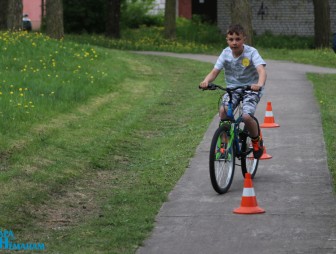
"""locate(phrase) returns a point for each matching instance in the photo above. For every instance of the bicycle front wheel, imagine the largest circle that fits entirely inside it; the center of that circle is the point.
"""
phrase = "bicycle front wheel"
(221, 160)
(249, 164)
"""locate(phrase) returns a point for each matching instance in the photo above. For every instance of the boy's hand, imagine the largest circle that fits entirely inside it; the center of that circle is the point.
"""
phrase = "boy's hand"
(256, 87)
(204, 84)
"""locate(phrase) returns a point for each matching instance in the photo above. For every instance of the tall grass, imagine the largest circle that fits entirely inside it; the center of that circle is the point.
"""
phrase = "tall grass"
(41, 77)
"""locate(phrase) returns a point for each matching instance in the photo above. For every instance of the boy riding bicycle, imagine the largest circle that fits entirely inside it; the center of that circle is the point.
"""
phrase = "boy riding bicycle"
(242, 66)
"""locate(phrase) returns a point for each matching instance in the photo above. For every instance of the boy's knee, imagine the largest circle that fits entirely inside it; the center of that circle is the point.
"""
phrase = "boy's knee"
(222, 113)
(246, 117)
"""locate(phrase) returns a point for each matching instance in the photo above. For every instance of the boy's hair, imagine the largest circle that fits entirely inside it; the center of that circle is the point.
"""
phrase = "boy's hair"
(235, 29)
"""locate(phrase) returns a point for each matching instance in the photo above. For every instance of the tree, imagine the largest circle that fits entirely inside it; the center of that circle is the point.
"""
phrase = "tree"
(3, 14)
(170, 19)
(54, 19)
(241, 14)
(322, 23)
(11, 15)
(113, 19)
(14, 15)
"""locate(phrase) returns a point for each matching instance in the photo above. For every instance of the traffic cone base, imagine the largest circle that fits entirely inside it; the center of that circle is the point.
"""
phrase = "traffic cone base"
(249, 201)
(269, 118)
(269, 125)
(265, 155)
(249, 210)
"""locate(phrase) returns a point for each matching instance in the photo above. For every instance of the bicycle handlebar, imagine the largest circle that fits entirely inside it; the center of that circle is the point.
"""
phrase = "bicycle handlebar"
(212, 86)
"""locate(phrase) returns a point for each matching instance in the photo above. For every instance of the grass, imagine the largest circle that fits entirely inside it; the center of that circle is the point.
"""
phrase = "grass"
(93, 139)
(86, 169)
(325, 93)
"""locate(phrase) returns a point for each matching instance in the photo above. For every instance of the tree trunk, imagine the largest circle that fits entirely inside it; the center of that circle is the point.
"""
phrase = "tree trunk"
(54, 19)
(170, 19)
(322, 23)
(241, 14)
(14, 15)
(3, 14)
(113, 19)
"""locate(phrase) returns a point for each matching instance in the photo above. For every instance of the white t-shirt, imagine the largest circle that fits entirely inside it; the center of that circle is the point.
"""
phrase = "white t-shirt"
(242, 70)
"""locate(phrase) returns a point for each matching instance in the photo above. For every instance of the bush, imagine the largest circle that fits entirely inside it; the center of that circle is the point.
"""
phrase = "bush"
(195, 30)
(87, 16)
(268, 40)
(136, 13)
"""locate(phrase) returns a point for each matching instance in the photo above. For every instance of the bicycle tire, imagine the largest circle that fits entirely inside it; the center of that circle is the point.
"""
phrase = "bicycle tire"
(221, 162)
(248, 162)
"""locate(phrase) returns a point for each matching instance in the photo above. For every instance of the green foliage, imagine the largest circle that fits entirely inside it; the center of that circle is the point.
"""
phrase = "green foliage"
(88, 16)
(135, 13)
(145, 38)
(268, 40)
(195, 30)
(194, 36)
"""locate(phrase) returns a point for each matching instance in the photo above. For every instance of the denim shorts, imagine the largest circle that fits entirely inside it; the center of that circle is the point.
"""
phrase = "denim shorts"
(250, 100)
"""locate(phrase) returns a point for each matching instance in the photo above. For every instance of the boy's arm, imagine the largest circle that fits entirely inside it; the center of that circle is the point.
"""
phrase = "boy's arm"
(262, 78)
(210, 77)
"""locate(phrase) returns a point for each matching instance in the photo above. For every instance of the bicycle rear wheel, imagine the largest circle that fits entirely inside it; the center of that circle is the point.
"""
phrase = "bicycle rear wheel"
(248, 162)
(221, 160)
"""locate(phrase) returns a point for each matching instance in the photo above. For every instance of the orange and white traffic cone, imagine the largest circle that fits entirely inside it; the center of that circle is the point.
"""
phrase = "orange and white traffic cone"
(249, 201)
(265, 155)
(269, 118)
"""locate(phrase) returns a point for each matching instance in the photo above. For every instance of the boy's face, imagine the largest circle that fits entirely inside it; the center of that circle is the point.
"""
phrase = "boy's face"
(236, 43)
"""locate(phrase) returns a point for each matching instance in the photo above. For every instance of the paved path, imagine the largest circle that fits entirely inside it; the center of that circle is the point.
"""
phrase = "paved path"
(294, 187)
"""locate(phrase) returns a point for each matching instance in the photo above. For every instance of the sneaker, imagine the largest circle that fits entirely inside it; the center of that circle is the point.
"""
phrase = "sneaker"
(258, 149)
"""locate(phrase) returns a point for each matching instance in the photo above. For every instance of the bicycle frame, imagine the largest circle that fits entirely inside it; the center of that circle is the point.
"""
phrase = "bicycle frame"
(230, 141)
(234, 130)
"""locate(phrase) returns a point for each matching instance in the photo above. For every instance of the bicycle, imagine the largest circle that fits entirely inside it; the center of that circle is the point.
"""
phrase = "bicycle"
(230, 141)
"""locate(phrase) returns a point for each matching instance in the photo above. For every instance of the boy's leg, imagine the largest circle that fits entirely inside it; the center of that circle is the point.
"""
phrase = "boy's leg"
(250, 102)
